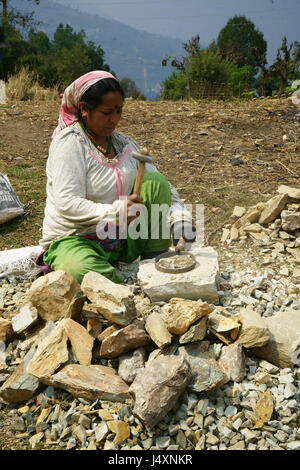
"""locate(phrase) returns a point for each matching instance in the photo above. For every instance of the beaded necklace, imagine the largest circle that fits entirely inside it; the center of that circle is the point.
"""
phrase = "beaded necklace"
(101, 149)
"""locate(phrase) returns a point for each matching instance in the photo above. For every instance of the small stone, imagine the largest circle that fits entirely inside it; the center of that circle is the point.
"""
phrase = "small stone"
(290, 220)
(283, 347)
(273, 208)
(128, 338)
(237, 424)
(289, 390)
(147, 443)
(80, 434)
(234, 233)
(224, 328)
(27, 317)
(92, 445)
(163, 442)
(101, 431)
(230, 411)
(130, 363)
(249, 436)
(36, 439)
(20, 386)
(271, 368)
(254, 331)
(294, 445)
(240, 445)
(121, 429)
(84, 421)
(232, 362)
(108, 331)
(293, 193)
(206, 374)
(180, 314)
(212, 439)
(19, 424)
(81, 341)
(263, 409)
(181, 440)
(238, 211)
(196, 332)
(6, 330)
(157, 330)
(50, 354)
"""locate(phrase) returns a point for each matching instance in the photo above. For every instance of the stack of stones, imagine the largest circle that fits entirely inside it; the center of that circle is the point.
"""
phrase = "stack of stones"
(275, 223)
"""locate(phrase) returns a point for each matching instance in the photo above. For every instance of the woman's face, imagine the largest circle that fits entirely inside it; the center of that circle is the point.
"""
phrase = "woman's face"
(103, 120)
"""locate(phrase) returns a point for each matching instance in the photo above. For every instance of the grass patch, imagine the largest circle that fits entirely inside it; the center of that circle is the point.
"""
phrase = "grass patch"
(29, 184)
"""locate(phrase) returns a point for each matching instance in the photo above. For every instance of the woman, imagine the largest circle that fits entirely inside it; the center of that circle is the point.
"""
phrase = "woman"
(90, 178)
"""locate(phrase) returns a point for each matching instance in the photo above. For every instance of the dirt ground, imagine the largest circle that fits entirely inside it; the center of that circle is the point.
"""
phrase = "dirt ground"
(220, 154)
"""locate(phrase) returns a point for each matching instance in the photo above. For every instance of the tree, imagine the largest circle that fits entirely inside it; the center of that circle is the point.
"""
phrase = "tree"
(128, 85)
(73, 56)
(12, 43)
(241, 43)
(130, 89)
(174, 87)
(287, 64)
(13, 16)
(192, 47)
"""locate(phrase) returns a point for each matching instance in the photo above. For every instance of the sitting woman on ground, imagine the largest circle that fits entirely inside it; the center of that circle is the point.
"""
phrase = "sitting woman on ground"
(91, 173)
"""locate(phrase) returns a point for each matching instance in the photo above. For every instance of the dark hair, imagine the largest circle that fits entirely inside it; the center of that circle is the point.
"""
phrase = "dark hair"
(93, 97)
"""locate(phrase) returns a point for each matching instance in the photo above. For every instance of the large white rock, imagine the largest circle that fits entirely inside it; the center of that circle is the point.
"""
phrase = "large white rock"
(254, 331)
(200, 283)
(91, 382)
(114, 301)
(20, 385)
(273, 208)
(55, 296)
(157, 388)
(283, 347)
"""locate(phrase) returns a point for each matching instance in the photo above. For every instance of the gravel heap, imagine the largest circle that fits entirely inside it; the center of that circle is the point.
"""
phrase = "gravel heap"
(220, 419)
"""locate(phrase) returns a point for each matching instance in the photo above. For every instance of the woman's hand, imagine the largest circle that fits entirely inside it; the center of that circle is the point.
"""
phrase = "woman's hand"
(132, 209)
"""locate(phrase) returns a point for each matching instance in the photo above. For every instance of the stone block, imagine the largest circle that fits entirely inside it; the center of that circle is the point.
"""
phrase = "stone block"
(200, 283)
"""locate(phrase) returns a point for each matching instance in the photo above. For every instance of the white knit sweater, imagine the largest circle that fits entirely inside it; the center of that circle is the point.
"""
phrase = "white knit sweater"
(83, 187)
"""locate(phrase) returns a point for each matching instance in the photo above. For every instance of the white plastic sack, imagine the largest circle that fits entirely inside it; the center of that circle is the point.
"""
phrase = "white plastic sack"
(10, 206)
(20, 262)
(2, 92)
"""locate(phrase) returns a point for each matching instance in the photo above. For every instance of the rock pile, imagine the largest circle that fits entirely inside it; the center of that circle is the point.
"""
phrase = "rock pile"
(100, 366)
(275, 223)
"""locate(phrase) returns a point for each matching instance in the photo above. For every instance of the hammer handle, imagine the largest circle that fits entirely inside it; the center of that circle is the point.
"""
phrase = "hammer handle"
(139, 179)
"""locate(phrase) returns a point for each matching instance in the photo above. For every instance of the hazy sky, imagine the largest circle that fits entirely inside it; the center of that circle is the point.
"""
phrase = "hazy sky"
(186, 18)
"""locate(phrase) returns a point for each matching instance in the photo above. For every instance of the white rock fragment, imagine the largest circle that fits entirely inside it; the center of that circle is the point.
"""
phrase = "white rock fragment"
(27, 317)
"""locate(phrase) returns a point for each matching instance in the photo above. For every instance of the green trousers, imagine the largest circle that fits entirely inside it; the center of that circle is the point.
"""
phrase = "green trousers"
(78, 256)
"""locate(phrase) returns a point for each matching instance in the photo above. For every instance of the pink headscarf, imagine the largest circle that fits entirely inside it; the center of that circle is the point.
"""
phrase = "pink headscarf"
(68, 113)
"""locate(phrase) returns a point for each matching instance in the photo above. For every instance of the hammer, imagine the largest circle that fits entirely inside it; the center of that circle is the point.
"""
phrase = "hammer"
(142, 158)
